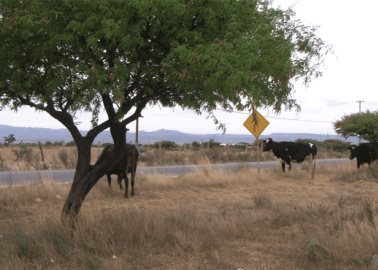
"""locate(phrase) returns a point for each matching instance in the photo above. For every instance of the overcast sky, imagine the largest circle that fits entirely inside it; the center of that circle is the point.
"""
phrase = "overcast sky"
(350, 75)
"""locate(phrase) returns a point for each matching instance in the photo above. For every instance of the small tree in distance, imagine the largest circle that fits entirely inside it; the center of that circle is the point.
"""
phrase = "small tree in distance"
(363, 125)
(9, 139)
(62, 57)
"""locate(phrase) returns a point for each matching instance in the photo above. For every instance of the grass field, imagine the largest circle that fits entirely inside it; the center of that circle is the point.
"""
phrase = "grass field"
(205, 220)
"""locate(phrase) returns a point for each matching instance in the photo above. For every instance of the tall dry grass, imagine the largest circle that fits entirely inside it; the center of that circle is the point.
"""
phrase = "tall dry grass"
(209, 219)
(64, 157)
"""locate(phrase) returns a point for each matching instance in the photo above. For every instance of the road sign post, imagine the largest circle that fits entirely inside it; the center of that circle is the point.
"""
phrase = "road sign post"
(256, 123)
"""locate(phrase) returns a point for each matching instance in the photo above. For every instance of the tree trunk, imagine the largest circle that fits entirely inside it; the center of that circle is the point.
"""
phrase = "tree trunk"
(84, 180)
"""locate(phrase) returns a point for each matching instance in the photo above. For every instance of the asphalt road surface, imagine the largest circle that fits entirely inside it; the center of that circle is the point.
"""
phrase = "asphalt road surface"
(9, 178)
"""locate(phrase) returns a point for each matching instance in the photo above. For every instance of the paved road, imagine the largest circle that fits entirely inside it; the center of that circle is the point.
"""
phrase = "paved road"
(8, 178)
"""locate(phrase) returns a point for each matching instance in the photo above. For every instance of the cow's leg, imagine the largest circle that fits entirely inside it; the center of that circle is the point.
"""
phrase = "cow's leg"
(126, 186)
(288, 162)
(132, 182)
(358, 164)
(120, 177)
(311, 166)
(109, 179)
(283, 166)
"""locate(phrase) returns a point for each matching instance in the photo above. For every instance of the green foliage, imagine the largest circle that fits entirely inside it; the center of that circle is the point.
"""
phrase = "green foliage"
(64, 56)
(71, 143)
(336, 145)
(196, 144)
(333, 145)
(24, 153)
(9, 139)
(165, 145)
(364, 125)
(211, 144)
(309, 141)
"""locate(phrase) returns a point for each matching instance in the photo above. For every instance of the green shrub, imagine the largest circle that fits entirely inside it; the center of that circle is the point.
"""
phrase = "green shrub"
(25, 246)
(59, 242)
(166, 145)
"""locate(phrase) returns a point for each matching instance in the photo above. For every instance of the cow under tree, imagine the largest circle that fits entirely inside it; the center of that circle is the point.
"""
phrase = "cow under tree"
(128, 164)
(292, 151)
(364, 153)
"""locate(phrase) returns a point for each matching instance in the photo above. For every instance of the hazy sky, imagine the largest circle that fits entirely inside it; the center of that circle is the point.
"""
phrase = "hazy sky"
(350, 74)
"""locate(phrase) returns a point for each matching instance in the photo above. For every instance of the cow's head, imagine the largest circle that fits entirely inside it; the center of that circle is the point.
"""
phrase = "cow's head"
(353, 151)
(267, 144)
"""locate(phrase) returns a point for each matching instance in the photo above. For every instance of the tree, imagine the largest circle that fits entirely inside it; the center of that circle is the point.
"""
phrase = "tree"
(9, 139)
(363, 125)
(62, 57)
(165, 145)
(196, 144)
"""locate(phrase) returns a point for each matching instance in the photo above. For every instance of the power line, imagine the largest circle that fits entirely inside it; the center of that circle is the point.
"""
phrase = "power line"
(280, 118)
(299, 120)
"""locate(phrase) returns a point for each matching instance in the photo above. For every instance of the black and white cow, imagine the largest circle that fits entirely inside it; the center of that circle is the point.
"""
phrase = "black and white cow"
(292, 151)
(364, 153)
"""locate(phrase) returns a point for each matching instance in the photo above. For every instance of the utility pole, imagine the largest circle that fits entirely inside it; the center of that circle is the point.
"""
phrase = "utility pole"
(359, 105)
(137, 132)
(359, 111)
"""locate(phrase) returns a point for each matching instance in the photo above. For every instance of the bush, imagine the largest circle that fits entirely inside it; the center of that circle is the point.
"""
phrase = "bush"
(166, 145)
(26, 158)
(196, 144)
(3, 164)
(336, 145)
(211, 144)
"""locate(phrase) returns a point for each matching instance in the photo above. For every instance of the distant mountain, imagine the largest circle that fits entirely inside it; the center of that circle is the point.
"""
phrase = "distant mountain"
(29, 134)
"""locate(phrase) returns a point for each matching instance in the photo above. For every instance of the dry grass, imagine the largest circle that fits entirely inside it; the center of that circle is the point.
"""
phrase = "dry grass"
(209, 219)
(59, 157)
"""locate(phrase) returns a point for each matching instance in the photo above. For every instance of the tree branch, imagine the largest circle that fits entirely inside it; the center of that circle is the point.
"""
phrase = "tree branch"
(66, 119)
(91, 135)
(108, 105)
(137, 113)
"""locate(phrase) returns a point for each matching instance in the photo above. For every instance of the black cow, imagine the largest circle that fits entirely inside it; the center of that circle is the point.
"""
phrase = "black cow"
(128, 164)
(364, 153)
(292, 151)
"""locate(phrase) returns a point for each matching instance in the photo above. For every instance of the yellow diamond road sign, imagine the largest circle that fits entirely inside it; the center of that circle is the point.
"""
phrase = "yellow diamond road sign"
(256, 123)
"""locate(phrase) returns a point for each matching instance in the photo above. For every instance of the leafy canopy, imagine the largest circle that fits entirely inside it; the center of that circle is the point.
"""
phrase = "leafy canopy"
(65, 56)
(364, 125)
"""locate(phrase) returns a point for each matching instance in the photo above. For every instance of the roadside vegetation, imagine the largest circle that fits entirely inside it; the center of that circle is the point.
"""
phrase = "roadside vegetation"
(59, 155)
(209, 219)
